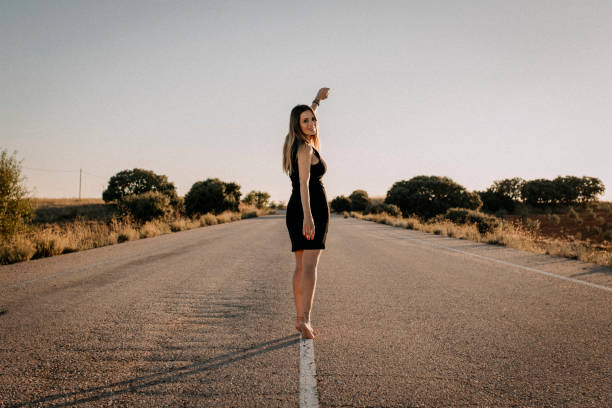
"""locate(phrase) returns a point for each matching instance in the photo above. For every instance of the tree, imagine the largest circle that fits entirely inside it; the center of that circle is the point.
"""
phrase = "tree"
(15, 207)
(503, 194)
(212, 195)
(257, 198)
(341, 204)
(138, 181)
(428, 196)
(509, 187)
(540, 192)
(359, 200)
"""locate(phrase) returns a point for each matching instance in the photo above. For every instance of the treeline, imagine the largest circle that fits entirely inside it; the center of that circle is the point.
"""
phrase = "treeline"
(541, 193)
(430, 196)
(140, 194)
(146, 195)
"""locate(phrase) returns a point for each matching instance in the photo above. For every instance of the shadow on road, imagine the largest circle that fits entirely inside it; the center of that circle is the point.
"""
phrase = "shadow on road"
(166, 376)
(604, 270)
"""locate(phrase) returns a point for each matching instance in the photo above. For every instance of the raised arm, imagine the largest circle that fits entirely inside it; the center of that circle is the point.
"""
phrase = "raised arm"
(322, 94)
(304, 156)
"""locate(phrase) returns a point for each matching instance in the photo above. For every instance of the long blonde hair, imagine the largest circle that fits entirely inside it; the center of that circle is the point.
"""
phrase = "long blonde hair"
(295, 138)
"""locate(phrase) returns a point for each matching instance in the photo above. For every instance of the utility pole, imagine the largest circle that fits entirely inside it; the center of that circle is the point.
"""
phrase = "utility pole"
(80, 177)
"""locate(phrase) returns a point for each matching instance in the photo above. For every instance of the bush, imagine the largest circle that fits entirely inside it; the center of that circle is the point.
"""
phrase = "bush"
(249, 214)
(341, 204)
(212, 195)
(428, 196)
(391, 209)
(485, 223)
(16, 250)
(135, 182)
(15, 208)
(359, 200)
(147, 206)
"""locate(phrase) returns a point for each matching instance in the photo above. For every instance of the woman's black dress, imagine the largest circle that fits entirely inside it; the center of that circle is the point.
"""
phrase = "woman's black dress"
(318, 206)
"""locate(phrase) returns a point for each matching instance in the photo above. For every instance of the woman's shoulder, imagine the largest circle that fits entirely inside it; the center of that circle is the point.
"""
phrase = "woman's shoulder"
(304, 148)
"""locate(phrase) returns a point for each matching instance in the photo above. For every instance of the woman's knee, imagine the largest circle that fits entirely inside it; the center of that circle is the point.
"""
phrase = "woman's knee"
(310, 260)
(298, 260)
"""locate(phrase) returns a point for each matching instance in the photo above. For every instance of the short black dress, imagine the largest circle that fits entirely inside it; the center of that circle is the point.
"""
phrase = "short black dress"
(318, 206)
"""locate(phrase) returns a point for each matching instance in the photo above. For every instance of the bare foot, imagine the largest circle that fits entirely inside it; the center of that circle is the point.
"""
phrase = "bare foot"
(298, 325)
(307, 330)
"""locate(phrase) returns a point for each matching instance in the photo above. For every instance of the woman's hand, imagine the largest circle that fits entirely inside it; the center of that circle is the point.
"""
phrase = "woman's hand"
(308, 229)
(323, 93)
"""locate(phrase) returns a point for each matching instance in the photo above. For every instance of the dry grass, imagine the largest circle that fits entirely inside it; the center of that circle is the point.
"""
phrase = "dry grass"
(508, 234)
(79, 233)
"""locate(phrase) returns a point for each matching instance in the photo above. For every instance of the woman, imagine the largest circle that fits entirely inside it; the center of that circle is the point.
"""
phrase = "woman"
(307, 210)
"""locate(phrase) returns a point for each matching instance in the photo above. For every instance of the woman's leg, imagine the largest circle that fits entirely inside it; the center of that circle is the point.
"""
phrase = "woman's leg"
(297, 288)
(310, 260)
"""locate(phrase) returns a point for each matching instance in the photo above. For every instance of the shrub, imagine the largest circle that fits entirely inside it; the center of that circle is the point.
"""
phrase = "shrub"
(127, 233)
(485, 223)
(391, 209)
(208, 219)
(359, 200)
(212, 195)
(153, 229)
(48, 244)
(556, 219)
(147, 206)
(138, 181)
(15, 208)
(522, 210)
(428, 196)
(341, 204)
(16, 250)
(533, 224)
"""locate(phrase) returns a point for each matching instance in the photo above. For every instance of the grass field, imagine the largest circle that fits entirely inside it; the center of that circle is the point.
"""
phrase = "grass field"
(68, 225)
(579, 233)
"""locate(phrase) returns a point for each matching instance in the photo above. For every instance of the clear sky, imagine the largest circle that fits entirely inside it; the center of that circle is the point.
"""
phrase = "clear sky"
(473, 90)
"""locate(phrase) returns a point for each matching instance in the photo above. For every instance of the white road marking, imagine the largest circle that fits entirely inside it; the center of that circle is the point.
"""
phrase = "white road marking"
(308, 382)
(527, 268)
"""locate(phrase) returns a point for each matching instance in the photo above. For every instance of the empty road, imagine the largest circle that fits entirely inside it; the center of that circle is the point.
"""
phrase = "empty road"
(205, 318)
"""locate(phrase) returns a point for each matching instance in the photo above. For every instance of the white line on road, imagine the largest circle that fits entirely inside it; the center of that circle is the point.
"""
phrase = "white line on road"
(308, 382)
(554, 275)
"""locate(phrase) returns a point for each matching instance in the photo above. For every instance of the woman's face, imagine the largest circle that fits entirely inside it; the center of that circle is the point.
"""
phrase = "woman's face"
(308, 123)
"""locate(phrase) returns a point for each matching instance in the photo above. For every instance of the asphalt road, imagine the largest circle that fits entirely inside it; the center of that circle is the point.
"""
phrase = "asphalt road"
(206, 318)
